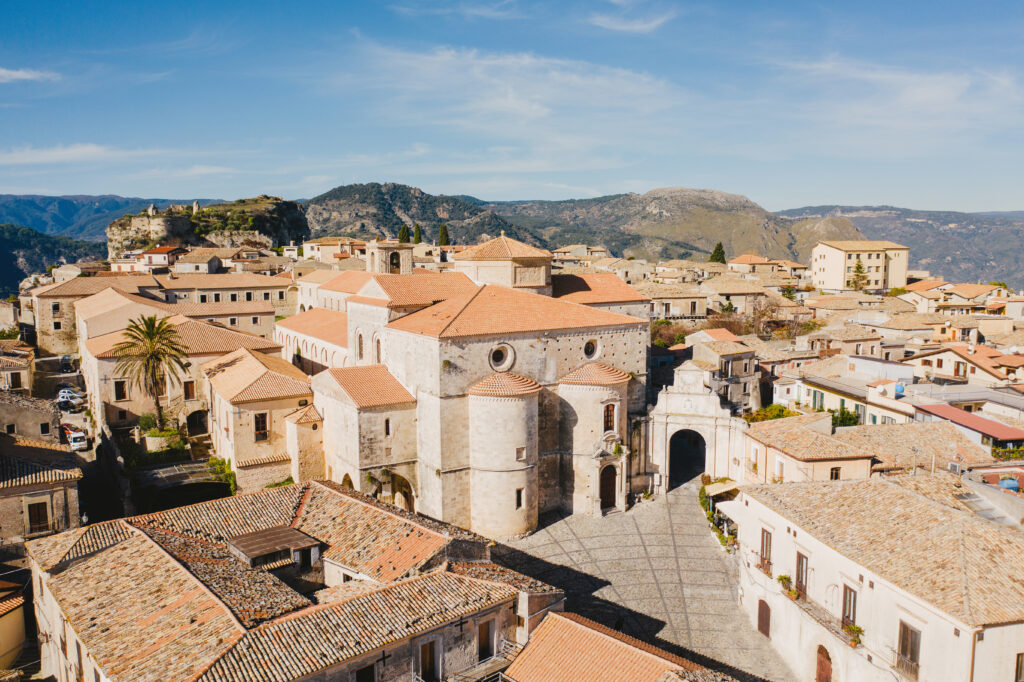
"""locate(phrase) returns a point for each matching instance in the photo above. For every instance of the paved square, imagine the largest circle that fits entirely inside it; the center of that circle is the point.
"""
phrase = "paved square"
(657, 573)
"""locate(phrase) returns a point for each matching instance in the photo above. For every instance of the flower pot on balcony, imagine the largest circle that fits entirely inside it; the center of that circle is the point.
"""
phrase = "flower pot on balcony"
(854, 643)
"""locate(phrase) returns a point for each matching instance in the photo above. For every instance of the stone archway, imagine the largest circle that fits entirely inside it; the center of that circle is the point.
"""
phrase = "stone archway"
(403, 498)
(823, 666)
(196, 423)
(686, 458)
(346, 482)
(607, 483)
(395, 263)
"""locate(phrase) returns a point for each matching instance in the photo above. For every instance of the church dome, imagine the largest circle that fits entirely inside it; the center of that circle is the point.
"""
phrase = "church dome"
(504, 385)
(596, 374)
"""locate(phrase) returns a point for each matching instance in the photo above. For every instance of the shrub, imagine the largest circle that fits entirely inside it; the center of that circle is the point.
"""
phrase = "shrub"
(221, 469)
(844, 417)
(773, 411)
(281, 484)
(147, 422)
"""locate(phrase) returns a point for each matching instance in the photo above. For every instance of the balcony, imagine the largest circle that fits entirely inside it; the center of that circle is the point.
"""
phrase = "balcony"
(765, 565)
(905, 666)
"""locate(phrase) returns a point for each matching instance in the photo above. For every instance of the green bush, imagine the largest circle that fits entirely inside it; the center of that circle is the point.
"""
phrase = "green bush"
(147, 422)
(844, 417)
(773, 411)
(222, 472)
(281, 484)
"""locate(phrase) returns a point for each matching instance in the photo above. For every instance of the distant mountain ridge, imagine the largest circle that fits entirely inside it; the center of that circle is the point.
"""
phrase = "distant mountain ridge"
(25, 252)
(961, 247)
(79, 216)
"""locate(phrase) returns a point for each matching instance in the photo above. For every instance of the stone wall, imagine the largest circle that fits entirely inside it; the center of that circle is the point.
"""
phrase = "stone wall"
(259, 476)
(62, 508)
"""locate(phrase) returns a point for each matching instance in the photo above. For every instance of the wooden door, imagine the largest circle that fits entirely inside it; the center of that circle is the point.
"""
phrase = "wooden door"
(428, 662)
(484, 643)
(764, 617)
(824, 668)
(608, 487)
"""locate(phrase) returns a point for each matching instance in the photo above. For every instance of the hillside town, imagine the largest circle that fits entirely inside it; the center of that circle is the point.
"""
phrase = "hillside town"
(393, 460)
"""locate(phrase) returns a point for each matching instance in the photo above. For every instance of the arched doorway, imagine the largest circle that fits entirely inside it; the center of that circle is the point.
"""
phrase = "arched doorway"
(346, 482)
(824, 666)
(403, 495)
(608, 487)
(396, 263)
(686, 457)
(196, 423)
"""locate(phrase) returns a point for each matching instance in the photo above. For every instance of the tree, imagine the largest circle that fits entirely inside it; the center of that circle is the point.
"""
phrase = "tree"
(10, 332)
(1003, 285)
(718, 255)
(844, 417)
(728, 308)
(859, 279)
(417, 234)
(789, 291)
(403, 235)
(151, 353)
(442, 235)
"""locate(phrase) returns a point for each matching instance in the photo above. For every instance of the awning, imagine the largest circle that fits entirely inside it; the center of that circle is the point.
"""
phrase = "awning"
(714, 489)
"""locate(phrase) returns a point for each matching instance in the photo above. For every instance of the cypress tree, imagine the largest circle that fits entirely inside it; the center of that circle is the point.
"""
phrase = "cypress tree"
(442, 235)
(403, 234)
(417, 234)
(718, 255)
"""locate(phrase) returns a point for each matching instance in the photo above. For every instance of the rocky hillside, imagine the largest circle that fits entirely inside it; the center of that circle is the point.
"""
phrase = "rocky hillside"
(672, 223)
(263, 221)
(79, 216)
(374, 210)
(25, 252)
(962, 247)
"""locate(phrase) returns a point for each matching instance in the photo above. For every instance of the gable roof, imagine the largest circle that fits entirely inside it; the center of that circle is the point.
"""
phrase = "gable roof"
(322, 276)
(925, 285)
(330, 326)
(974, 422)
(19, 466)
(936, 554)
(719, 334)
(567, 646)
(492, 310)
(227, 280)
(749, 259)
(914, 444)
(988, 359)
(603, 287)
(970, 290)
(197, 336)
(502, 248)
(421, 288)
(370, 386)
(87, 286)
(243, 376)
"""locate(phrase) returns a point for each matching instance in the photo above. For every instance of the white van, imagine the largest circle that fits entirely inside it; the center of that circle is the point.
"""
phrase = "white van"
(78, 440)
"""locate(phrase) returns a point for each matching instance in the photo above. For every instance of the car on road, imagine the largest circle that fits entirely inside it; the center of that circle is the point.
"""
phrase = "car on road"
(70, 405)
(67, 364)
(76, 438)
(68, 394)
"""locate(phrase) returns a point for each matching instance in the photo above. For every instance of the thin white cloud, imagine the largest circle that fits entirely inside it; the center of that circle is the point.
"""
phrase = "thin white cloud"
(503, 9)
(628, 25)
(72, 153)
(14, 75)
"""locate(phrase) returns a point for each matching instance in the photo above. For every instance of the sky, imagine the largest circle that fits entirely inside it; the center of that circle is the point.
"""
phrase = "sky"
(912, 103)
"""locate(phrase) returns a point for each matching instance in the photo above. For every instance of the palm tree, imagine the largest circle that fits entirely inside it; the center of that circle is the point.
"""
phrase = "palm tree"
(151, 353)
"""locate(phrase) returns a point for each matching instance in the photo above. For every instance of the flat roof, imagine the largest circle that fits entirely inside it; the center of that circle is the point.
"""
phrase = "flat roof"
(270, 540)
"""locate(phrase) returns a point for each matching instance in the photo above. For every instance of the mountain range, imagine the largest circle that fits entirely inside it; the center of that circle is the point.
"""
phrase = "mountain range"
(662, 223)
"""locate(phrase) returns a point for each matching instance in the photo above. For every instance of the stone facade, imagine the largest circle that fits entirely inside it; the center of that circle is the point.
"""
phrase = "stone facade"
(28, 417)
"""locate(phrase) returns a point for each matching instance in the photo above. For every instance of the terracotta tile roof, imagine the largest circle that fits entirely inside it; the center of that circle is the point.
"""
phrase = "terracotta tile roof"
(10, 603)
(421, 288)
(906, 446)
(163, 249)
(727, 347)
(925, 285)
(87, 286)
(567, 646)
(504, 384)
(721, 334)
(985, 357)
(936, 553)
(19, 467)
(370, 386)
(910, 321)
(305, 415)
(863, 245)
(495, 573)
(141, 615)
(327, 325)
(602, 287)
(493, 310)
(200, 255)
(749, 259)
(657, 290)
(321, 637)
(733, 286)
(595, 374)
(367, 300)
(848, 332)
(321, 276)
(349, 282)
(969, 420)
(243, 376)
(502, 248)
(229, 280)
(794, 437)
(970, 290)
(94, 538)
(833, 303)
(197, 336)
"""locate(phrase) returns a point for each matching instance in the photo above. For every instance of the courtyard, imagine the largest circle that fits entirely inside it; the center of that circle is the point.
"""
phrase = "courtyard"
(655, 572)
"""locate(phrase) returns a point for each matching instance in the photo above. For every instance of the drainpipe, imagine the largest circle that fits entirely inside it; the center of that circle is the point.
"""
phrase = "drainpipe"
(974, 644)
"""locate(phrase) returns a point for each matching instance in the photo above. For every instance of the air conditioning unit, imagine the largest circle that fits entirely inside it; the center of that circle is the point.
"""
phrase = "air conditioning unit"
(955, 468)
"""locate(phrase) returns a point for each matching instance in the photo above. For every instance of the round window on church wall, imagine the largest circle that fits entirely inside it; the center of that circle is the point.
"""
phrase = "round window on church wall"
(590, 349)
(501, 358)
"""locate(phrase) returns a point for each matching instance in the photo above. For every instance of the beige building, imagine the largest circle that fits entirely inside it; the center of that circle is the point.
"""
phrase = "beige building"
(38, 488)
(734, 375)
(114, 400)
(229, 288)
(508, 263)
(314, 340)
(250, 395)
(310, 581)
(675, 301)
(833, 265)
(17, 364)
(972, 364)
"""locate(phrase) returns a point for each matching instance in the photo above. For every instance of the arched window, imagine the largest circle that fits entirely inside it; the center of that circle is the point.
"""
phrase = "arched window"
(376, 351)
(359, 347)
(609, 418)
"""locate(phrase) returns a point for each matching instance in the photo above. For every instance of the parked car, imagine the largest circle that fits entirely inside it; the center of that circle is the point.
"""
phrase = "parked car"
(68, 394)
(67, 364)
(76, 438)
(70, 406)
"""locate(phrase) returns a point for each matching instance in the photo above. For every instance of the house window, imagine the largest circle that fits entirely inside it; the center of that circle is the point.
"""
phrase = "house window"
(801, 574)
(1019, 676)
(189, 390)
(234, 297)
(908, 652)
(376, 351)
(609, 418)
(255, 321)
(9, 429)
(765, 563)
(44, 429)
(849, 605)
(233, 321)
(280, 295)
(938, 363)
(248, 296)
(833, 473)
(519, 498)
(359, 347)
(202, 298)
(55, 308)
(387, 427)
(38, 517)
(260, 423)
(122, 415)
(266, 295)
(120, 390)
(520, 454)
(56, 325)
(14, 379)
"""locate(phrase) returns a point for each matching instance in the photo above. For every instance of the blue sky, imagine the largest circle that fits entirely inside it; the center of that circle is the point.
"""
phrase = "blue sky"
(793, 103)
